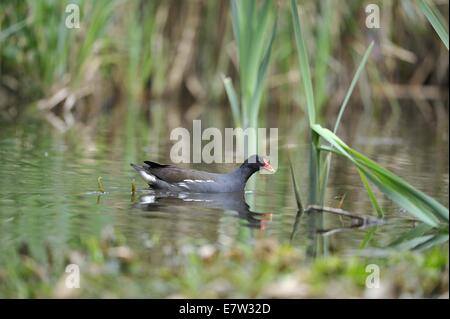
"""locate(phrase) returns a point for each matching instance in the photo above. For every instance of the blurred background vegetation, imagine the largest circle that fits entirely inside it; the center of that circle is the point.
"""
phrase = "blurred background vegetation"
(176, 52)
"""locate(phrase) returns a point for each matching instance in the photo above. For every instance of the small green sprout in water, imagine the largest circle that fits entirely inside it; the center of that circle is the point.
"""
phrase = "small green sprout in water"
(133, 190)
(341, 200)
(101, 189)
(133, 186)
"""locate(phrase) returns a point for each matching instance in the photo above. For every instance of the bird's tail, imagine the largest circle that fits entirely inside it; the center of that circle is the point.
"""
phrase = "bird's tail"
(137, 167)
(147, 176)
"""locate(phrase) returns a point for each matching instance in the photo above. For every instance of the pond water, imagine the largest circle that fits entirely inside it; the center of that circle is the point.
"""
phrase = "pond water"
(49, 195)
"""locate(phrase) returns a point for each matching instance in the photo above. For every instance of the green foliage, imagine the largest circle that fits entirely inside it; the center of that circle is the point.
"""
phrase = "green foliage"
(435, 20)
(254, 29)
(324, 52)
(357, 75)
(420, 205)
(269, 270)
(303, 64)
(52, 52)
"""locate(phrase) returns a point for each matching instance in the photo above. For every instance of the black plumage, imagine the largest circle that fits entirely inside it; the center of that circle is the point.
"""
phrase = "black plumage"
(173, 178)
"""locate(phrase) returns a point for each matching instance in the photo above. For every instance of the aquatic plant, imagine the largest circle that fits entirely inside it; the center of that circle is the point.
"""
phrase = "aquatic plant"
(254, 29)
(418, 204)
(150, 50)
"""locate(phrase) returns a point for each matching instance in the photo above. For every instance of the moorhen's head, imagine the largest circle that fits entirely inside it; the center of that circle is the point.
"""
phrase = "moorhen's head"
(256, 162)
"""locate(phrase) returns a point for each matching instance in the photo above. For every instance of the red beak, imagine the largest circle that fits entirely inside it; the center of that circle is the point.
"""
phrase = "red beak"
(268, 167)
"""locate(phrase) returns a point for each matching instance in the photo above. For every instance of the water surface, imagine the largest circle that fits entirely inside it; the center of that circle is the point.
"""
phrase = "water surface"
(49, 194)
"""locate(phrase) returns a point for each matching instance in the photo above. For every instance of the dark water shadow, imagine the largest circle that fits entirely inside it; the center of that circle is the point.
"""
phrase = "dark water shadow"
(234, 202)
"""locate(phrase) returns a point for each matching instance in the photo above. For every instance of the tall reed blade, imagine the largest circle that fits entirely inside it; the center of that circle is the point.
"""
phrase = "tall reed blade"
(304, 64)
(359, 70)
(234, 101)
(371, 194)
(314, 157)
(366, 185)
(324, 47)
(254, 28)
(296, 191)
(437, 24)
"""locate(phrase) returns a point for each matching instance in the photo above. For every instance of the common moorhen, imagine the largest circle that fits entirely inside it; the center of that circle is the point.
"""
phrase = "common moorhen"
(176, 179)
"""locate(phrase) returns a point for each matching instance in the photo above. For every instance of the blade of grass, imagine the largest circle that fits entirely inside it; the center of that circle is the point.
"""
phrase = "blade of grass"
(416, 240)
(428, 201)
(327, 164)
(371, 194)
(359, 70)
(296, 191)
(235, 21)
(417, 203)
(413, 243)
(419, 230)
(101, 14)
(13, 29)
(438, 25)
(304, 64)
(314, 160)
(251, 22)
(262, 74)
(234, 101)
(245, 10)
(257, 46)
(368, 237)
(435, 240)
(324, 47)
(414, 201)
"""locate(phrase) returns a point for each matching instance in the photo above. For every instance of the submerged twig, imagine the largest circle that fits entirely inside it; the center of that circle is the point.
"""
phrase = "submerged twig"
(336, 211)
(357, 221)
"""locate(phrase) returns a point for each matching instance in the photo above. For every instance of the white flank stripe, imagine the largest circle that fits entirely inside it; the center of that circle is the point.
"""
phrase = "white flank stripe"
(183, 185)
(147, 177)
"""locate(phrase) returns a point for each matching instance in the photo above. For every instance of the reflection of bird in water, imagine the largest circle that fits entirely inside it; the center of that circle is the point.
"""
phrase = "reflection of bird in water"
(166, 201)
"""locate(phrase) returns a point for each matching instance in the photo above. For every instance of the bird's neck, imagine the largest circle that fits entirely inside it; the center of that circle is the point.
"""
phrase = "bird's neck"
(243, 173)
